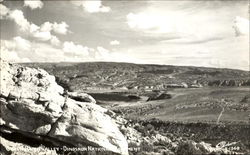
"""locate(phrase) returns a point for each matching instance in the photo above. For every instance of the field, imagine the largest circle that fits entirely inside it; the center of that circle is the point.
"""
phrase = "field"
(185, 105)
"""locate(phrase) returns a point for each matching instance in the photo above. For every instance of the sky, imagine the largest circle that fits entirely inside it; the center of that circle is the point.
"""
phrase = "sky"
(187, 33)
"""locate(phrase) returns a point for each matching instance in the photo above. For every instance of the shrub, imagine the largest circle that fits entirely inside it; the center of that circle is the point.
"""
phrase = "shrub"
(145, 146)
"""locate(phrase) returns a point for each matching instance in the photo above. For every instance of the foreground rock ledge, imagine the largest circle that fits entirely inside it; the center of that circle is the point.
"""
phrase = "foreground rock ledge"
(31, 101)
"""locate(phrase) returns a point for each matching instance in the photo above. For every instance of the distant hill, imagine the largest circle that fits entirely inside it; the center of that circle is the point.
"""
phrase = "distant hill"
(112, 75)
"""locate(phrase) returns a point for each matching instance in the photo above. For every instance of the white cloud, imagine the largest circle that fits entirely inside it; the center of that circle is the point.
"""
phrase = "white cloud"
(241, 26)
(150, 22)
(61, 28)
(25, 60)
(22, 44)
(71, 48)
(3, 11)
(102, 54)
(13, 49)
(42, 36)
(47, 26)
(12, 56)
(192, 39)
(20, 20)
(21, 50)
(232, 52)
(95, 6)
(69, 52)
(33, 4)
(164, 18)
(55, 41)
(46, 53)
(92, 6)
(115, 42)
(41, 33)
(7, 45)
(33, 28)
(10, 49)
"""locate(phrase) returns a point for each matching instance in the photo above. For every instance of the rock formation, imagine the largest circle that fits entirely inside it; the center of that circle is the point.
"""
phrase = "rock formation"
(229, 83)
(190, 147)
(33, 103)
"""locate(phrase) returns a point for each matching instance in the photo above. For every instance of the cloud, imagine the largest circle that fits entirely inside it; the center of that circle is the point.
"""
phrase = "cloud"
(33, 28)
(40, 51)
(22, 44)
(20, 20)
(12, 56)
(115, 42)
(71, 48)
(92, 6)
(61, 28)
(21, 50)
(150, 22)
(43, 52)
(3, 11)
(55, 41)
(41, 33)
(42, 36)
(33, 4)
(192, 19)
(231, 52)
(47, 26)
(102, 54)
(241, 26)
(11, 50)
(95, 6)
(192, 40)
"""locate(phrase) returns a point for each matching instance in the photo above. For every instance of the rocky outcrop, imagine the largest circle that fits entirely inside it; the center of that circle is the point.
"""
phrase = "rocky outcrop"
(229, 83)
(32, 102)
(83, 97)
(151, 140)
(147, 140)
(190, 147)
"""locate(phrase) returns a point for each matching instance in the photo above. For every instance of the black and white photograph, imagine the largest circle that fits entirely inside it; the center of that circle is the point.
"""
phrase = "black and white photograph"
(124, 77)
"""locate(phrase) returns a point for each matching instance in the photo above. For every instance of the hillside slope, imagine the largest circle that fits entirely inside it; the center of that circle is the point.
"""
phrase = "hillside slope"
(110, 75)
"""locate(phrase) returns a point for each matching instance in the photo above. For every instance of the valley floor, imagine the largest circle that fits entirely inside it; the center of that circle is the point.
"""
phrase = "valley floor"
(185, 105)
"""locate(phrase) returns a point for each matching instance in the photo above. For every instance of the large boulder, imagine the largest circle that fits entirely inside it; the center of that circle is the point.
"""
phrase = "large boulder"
(83, 97)
(32, 102)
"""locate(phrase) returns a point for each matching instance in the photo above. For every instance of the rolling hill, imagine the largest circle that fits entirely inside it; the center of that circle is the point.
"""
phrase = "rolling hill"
(111, 75)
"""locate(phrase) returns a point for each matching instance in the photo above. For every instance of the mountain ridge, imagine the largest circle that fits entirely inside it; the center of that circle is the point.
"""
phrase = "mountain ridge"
(146, 64)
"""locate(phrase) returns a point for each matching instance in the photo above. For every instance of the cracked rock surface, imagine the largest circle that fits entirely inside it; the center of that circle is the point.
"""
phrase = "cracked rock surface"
(31, 101)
